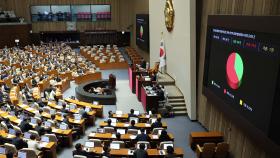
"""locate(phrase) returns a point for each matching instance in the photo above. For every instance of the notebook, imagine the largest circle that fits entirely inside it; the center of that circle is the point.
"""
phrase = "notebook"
(2, 150)
(22, 154)
(45, 139)
(114, 146)
(63, 126)
(121, 131)
(89, 144)
(12, 131)
(27, 135)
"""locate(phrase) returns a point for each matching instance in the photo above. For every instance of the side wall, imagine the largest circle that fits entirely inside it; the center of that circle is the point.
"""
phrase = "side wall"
(180, 46)
(209, 116)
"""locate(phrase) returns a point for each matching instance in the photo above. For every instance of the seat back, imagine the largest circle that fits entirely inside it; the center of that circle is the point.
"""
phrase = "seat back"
(222, 150)
(109, 130)
(10, 148)
(143, 142)
(35, 133)
(122, 144)
(52, 137)
(79, 156)
(97, 142)
(132, 131)
(161, 145)
(17, 129)
(208, 150)
(46, 109)
(156, 131)
(30, 153)
(4, 126)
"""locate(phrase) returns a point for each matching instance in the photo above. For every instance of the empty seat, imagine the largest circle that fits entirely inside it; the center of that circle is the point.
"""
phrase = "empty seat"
(161, 145)
(207, 151)
(10, 148)
(52, 138)
(221, 150)
(144, 142)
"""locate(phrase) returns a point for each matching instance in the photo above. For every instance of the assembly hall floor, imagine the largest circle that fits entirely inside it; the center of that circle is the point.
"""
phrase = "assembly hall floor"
(179, 126)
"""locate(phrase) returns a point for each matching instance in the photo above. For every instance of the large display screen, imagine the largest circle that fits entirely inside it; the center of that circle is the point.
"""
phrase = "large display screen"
(142, 31)
(242, 69)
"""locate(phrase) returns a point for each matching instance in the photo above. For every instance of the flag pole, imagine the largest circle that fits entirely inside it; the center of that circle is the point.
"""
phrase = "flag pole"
(161, 39)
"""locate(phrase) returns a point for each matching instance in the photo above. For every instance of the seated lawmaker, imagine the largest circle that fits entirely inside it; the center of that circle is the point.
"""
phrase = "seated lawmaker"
(157, 124)
(40, 129)
(142, 136)
(79, 150)
(164, 136)
(132, 125)
(131, 114)
(24, 125)
(140, 153)
(18, 141)
(33, 144)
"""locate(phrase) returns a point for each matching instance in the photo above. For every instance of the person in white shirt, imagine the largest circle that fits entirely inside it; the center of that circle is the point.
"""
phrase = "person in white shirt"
(33, 144)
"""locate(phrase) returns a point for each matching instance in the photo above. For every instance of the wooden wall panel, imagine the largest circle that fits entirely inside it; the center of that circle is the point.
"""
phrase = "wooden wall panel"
(211, 117)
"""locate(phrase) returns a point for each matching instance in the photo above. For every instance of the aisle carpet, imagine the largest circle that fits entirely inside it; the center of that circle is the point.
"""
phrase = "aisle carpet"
(179, 126)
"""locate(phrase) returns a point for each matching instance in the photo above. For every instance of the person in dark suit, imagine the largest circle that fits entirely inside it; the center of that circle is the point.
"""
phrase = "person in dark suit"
(109, 121)
(140, 153)
(142, 136)
(24, 125)
(18, 142)
(79, 150)
(132, 125)
(170, 152)
(40, 129)
(164, 136)
(143, 64)
(132, 113)
(106, 152)
(157, 124)
(64, 110)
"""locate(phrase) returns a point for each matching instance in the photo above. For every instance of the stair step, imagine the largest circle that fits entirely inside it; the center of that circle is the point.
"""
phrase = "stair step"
(179, 108)
(176, 100)
(178, 104)
(175, 97)
(180, 113)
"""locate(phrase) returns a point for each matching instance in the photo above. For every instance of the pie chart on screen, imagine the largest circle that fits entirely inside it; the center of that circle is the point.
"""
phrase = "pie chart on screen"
(141, 31)
(234, 70)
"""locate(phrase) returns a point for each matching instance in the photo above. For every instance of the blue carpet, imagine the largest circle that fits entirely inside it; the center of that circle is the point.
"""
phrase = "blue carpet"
(179, 126)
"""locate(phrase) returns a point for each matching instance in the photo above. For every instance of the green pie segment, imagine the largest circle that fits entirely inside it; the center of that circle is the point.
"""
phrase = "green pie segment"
(234, 70)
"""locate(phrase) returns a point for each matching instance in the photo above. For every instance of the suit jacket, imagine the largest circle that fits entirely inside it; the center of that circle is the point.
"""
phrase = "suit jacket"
(25, 126)
(142, 137)
(139, 153)
(40, 130)
(80, 152)
(156, 124)
(19, 143)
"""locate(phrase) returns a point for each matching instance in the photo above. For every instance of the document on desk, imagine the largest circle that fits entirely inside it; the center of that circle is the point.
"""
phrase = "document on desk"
(114, 136)
(92, 134)
(155, 136)
(113, 124)
(55, 130)
(43, 144)
(126, 125)
(132, 137)
(119, 115)
(147, 125)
